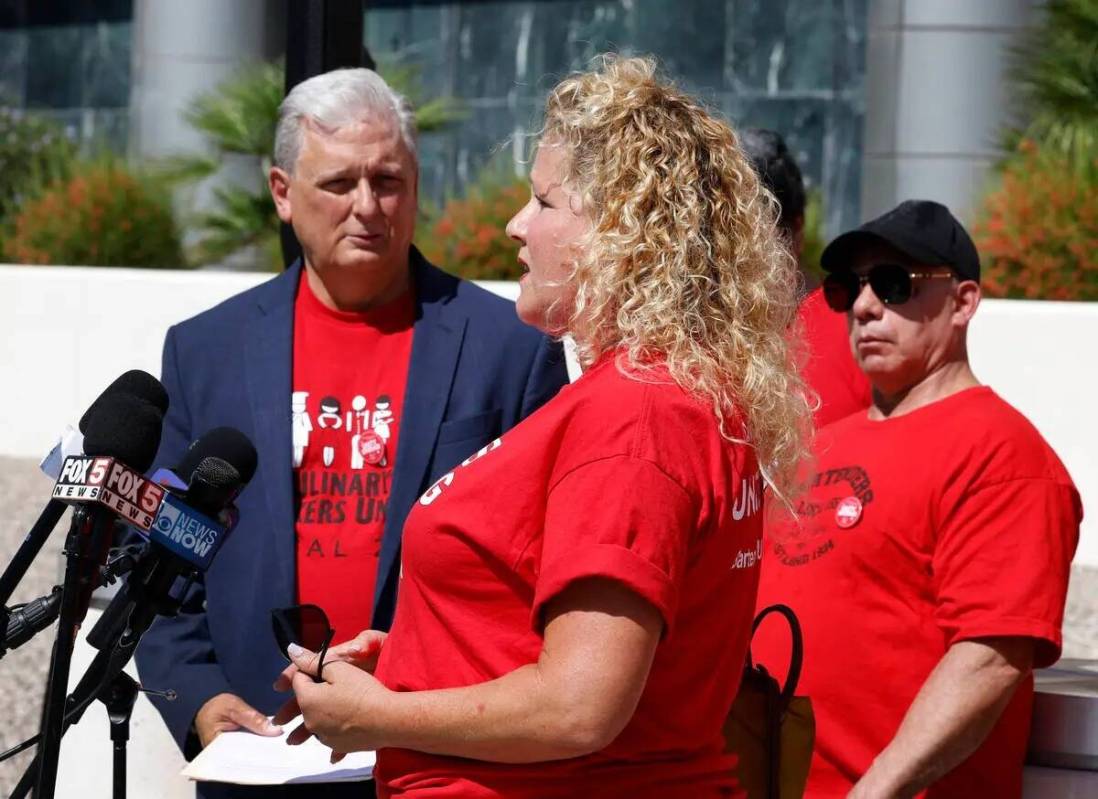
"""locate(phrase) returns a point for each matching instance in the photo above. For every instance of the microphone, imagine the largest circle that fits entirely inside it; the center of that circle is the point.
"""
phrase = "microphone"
(122, 433)
(193, 520)
(107, 422)
(221, 460)
(135, 383)
(25, 621)
(226, 443)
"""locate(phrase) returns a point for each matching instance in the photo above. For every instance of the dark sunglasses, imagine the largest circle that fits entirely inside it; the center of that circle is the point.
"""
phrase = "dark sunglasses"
(893, 284)
(304, 625)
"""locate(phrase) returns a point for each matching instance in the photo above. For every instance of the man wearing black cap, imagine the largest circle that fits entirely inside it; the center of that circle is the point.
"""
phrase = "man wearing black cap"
(929, 560)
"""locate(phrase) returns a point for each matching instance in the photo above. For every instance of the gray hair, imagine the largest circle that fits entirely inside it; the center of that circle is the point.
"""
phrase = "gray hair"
(334, 99)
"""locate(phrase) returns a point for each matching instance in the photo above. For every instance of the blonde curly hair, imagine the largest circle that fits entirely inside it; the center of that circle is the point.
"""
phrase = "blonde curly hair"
(683, 263)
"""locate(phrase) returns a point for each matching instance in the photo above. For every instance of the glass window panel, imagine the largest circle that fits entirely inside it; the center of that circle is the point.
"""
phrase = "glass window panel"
(794, 65)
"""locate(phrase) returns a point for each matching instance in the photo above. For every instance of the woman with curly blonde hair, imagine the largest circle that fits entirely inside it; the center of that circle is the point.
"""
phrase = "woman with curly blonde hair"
(576, 598)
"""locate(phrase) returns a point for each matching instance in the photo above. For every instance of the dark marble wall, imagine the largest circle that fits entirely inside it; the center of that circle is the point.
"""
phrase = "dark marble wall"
(793, 65)
(77, 74)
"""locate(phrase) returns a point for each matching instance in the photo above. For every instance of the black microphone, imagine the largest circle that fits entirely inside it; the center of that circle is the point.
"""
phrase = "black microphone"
(192, 524)
(26, 620)
(182, 542)
(121, 439)
(122, 434)
(138, 385)
(226, 443)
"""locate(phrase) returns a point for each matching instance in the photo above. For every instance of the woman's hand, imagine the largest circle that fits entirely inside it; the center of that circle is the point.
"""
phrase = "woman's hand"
(344, 712)
(363, 651)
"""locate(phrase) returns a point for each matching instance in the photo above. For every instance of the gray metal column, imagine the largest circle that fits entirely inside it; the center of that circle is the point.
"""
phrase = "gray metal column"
(937, 98)
(183, 49)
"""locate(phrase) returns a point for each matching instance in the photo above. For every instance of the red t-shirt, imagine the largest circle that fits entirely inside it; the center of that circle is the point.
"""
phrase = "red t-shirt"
(830, 368)
(952, 522)
(613, 478)
(348, 392)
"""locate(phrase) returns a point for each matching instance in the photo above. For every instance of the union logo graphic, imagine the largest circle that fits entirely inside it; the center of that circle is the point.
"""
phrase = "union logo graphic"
(848, 513)
(838, 498)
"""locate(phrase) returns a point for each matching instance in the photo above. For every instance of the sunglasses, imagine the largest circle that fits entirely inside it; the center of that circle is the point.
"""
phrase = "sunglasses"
(306, 626)
(893, 284)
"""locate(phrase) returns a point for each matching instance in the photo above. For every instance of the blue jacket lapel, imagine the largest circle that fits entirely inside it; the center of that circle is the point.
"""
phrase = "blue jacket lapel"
(436, 342)
(269, 368)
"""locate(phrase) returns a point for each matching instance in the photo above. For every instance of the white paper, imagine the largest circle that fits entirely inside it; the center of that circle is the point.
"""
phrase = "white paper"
(247, 759)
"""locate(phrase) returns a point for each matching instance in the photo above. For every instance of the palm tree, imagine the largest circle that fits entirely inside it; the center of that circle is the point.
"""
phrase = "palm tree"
(240, 116)
(1056, 73)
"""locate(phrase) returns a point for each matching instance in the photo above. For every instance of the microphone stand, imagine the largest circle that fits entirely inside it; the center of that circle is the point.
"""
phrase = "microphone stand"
(30, 547)
(86, 536)
(119, 697)
(152, 598)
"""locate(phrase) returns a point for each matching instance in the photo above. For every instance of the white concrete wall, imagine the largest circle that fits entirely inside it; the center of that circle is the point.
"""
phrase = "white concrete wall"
(66, 332)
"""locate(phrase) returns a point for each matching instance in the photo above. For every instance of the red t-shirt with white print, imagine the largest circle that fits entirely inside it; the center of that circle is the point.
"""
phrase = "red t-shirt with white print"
(349, 373)
(614, 478)
(952, 522)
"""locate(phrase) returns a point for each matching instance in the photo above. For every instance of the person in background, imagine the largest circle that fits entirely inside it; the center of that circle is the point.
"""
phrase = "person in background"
(362, 374)
(576, 599)
(929, 560)
(828, 367)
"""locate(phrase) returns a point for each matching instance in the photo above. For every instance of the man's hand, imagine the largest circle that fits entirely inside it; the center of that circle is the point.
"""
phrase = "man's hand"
(229, 712)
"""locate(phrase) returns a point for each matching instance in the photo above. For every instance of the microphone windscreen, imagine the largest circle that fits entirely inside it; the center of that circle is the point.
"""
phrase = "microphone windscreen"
(213, 486)
(125, 427)
(135, 383)
(217, 472)
(226, 443)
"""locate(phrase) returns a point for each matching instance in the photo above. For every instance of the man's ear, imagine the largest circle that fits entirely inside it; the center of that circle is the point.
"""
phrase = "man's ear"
(279, 183)
(966, 300)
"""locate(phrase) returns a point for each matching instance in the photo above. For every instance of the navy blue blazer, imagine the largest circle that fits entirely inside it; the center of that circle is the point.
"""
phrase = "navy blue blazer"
(475, 372)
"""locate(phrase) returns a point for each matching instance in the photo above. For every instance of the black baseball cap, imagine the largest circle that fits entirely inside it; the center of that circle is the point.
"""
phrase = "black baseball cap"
(923, 230)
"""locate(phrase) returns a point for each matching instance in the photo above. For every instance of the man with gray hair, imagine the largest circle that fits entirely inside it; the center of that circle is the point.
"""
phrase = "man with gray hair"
(362, 374)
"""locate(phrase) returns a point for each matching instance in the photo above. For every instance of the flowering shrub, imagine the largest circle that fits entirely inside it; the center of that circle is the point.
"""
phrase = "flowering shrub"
(33, 153)
(101, 216)
(468, 238)
(1038, 231)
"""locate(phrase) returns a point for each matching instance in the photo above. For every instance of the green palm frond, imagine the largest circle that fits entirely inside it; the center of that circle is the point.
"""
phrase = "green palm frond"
(240, 116)
(1056, 73)
(241, 218)
(431, 113)
(183, 168)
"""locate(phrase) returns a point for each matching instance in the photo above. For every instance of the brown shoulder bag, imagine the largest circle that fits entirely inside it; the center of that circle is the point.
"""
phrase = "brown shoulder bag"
(769, 729)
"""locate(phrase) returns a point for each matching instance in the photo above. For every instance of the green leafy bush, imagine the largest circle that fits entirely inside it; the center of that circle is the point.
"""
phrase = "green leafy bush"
(100, 216)
(33, 153)
(1038, 231)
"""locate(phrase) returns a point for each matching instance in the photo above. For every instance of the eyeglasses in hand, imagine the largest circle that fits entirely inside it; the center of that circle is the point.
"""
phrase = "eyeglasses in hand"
(304, 625)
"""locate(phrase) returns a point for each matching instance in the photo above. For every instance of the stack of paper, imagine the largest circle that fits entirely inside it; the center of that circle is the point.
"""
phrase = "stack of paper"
(247, 759)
